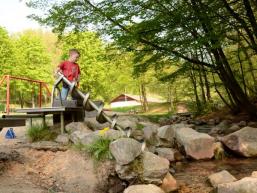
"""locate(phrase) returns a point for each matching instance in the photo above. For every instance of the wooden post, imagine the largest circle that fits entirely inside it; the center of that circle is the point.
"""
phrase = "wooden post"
(40, 95)
(62, 122)
(8, 94)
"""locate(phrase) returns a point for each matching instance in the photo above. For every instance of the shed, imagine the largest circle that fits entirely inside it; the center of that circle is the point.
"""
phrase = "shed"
(126, 100)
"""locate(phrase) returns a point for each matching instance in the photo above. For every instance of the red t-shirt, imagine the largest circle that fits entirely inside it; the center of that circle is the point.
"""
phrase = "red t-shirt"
(70, 70)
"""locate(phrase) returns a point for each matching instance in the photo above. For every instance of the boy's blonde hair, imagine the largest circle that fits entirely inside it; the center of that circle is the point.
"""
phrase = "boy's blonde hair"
(73, 50)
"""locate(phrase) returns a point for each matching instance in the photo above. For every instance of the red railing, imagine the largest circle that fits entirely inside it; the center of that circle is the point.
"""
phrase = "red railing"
(8, 79)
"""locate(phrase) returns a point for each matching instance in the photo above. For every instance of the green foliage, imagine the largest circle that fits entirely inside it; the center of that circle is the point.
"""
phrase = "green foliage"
(99, 149)
(40, 133)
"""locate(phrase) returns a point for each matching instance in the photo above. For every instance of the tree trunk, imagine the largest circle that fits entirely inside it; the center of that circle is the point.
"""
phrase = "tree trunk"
(144, 97)
(227, 77)
(198, 102)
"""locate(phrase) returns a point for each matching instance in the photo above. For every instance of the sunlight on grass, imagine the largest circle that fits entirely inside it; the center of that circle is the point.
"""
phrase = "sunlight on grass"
(40, 133)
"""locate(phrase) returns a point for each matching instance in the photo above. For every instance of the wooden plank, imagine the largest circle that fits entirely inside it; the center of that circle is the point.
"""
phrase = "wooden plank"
(49, 110)
(12, 122)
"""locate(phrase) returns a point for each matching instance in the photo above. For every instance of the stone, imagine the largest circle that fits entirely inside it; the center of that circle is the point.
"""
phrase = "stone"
(245, 185)
(211, 122)
(128, 121)
(138, 134)
(47, 146)
(126, 172)
(150, 135)
(169, 184)
(167, 153)
(166, 132)
(242, 124)
(223, 125)
(231, 129)
(7, 154)
(125, 150)
(254, 174)
(112, 134)
(196, 145)
(154, 168)
(150, 188)
(82, 137)
(94, 125)
(243, 142)
(221, 177)
(252, 124)
(77, 126)
(63, 139)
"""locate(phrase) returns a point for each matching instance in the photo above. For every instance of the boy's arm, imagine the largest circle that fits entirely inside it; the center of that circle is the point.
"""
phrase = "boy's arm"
(59, 68)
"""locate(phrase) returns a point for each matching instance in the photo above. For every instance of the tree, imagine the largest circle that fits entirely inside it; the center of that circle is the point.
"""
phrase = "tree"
(167, 30)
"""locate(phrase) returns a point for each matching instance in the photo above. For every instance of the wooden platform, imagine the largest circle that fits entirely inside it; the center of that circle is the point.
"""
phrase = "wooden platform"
(51, 110)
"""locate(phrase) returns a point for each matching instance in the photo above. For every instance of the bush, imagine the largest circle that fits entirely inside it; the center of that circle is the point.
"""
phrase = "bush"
(40, 133)
(99, 149)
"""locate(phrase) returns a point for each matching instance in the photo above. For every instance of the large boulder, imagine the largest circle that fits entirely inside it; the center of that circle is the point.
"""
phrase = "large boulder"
(154, 168)
(166, 132)
(94, 125)
(83, 138)
(243, 142)
(196, 145)
(77, 126)
(150, 188)
(125, 150)
(220, 178)
(245, 185)
(63, 139)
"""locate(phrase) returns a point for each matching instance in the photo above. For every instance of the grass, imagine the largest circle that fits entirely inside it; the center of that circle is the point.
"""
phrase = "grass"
(40, 133)
(155, 118)
(99, 149)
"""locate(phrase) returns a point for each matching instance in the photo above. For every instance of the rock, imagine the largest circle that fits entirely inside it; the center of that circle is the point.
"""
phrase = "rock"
(166, 132)
(242, 124)
(167, 153)
(254, 174)
(154, 168)
(150, 135)
(219, 152)
(169, 184)
(243, 142)
(231, 129)
(94, 125)
(126, 172)
(138, 134)
(252, 124)
(215, 131)
(47, 146)
(128, 121)
(112, 134)
(63, 139)
(245, 185)
(125, 150)
(77, 126)
(6, 154)
(220, 178)
(150, 188)
(211, 122)
(223, 125)
(84, 138)
(196, 145)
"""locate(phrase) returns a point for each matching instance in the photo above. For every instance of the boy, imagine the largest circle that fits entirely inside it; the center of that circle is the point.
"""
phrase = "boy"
(70, 69)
